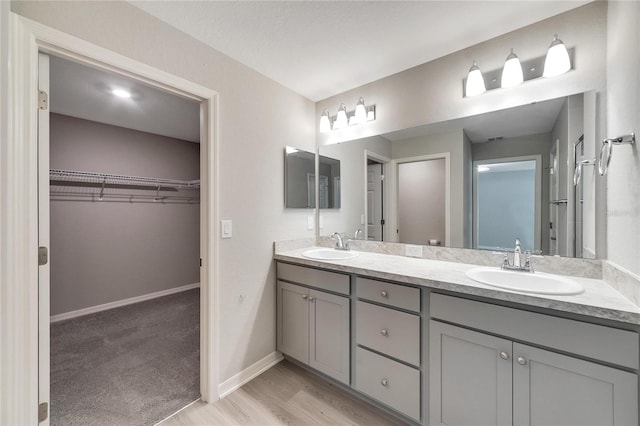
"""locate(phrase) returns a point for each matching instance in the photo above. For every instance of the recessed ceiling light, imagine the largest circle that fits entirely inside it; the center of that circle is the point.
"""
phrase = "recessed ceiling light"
(121, 93)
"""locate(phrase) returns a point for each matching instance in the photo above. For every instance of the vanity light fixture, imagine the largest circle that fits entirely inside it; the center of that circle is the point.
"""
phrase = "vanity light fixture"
(325, 122)
(512, 71)
(362, 114)
(557, 61)
(475, 81)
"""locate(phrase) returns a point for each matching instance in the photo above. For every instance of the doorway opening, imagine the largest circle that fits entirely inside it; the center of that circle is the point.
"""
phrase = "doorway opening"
(123, 219)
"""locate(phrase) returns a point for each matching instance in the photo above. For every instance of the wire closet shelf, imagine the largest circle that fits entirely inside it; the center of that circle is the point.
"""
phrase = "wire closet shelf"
(74, 185)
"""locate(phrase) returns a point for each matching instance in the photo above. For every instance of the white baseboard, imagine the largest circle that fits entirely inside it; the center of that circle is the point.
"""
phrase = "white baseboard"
(249, 373)
(118, 303)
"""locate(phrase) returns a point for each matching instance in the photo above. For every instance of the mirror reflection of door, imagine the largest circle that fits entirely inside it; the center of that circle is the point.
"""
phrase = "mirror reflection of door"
(553, 196)
(375, 222)
(507, 196)
(421, 193)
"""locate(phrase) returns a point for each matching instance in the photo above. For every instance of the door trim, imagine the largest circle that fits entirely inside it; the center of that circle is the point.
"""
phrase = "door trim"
(19, 209)
(368, 154)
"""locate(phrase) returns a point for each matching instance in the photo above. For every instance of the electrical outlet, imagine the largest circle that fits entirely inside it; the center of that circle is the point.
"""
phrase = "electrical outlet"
(310, 221)
(413, 251)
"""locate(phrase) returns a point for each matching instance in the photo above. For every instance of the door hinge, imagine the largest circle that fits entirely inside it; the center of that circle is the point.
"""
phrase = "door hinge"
(381, 221)
(43, 256)
(200, 262)
(43, 99)
(43, 411)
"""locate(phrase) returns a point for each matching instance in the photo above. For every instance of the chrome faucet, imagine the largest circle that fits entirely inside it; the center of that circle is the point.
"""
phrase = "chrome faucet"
(517, 261)
(341, 244)
(359, 235)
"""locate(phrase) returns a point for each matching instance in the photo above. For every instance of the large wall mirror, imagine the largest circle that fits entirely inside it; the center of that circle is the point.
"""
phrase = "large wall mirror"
(476, 182)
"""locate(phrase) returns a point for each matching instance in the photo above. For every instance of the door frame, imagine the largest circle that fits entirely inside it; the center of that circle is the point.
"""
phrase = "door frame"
(19, 209)
(393, 213)
(385, 185)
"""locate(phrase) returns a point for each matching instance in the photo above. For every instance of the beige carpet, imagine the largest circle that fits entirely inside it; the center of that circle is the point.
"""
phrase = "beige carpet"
(133, 365)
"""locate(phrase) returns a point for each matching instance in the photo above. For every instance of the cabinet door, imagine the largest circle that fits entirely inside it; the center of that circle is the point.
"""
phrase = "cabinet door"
(329, 334)
(470, 377)
(293, 321)
(554, 389)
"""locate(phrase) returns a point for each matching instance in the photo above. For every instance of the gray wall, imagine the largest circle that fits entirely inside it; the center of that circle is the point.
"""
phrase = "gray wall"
(623, 116)
(108, 251)
(518, 147)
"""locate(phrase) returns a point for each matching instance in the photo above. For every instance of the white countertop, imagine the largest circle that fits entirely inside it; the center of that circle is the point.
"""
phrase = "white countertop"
(599, 299)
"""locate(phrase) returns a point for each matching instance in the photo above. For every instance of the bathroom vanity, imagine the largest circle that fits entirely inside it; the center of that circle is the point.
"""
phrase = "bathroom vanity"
(420, 339)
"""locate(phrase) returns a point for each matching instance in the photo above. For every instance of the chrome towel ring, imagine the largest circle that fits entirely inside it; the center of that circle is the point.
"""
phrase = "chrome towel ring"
(607, 147)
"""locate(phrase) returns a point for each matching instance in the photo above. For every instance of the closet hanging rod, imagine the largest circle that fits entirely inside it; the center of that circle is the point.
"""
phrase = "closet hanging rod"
(78, 176)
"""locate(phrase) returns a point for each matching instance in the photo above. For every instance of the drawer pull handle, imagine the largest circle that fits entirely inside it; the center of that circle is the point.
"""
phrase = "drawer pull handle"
(384, 332)
(504, 355)
(384, 294)
(384, 382)
(304, 296)
(521, 361)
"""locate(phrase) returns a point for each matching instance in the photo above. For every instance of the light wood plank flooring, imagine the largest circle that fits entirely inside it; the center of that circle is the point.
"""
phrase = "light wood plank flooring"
(284, 395)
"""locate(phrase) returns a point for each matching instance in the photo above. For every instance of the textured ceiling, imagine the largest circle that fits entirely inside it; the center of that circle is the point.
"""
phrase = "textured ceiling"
(322, 48)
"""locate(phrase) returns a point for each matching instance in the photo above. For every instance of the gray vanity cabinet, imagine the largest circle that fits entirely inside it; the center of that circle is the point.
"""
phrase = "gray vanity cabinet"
(312, 325)
(480, 379)
(473, 374)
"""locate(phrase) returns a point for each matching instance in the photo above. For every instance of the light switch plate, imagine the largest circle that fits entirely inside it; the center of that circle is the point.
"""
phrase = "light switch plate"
(413, 251)
(226, 229)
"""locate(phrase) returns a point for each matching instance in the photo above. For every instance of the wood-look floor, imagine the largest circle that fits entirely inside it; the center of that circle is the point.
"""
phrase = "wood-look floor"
(284, 395)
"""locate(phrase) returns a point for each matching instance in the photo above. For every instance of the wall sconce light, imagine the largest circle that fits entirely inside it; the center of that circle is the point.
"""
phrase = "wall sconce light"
(512, 71)
(557, 61)
(344, 118)
(475, 81)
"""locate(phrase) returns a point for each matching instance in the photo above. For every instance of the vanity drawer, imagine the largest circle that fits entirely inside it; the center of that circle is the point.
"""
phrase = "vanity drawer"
(400, 296)
(388, 381)
(391, 332)
(331, 281)
(594, 341)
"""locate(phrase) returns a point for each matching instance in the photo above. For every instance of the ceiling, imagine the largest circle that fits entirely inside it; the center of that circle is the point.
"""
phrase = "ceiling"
(321, 48)
(84, 92)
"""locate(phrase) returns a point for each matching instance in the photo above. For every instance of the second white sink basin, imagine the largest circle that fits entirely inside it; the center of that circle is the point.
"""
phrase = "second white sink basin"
(537, 282)
(329, 254)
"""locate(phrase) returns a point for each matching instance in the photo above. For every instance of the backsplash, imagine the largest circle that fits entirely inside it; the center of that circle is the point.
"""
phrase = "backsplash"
(585, 268)
(622, 280)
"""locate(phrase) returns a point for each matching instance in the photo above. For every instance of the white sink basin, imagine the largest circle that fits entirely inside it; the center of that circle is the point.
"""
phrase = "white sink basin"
(329, 254)
(537, 282)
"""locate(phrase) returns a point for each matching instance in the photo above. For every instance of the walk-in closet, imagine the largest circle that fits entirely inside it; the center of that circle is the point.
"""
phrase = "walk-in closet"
(124, 254)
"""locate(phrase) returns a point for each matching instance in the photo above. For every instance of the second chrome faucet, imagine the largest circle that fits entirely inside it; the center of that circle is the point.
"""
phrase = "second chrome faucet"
(517, 264)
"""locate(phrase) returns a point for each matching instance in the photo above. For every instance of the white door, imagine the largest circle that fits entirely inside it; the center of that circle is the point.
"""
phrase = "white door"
(374, 202)
(43, 233)
(422, 202)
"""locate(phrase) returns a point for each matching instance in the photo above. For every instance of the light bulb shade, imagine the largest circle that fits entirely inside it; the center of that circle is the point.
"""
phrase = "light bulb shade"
(341, 119)
(475, 82)
(512, 72)
(325, 122)
(557, 61)
(360, 115)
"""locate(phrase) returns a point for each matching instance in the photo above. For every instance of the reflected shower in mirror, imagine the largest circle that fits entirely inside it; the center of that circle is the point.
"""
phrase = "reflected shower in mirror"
(476, 182)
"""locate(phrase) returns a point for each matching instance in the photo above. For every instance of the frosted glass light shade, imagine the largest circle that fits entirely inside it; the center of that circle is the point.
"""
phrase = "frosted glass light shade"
(475, 82)
(325, 122)
(512, 71)
(557, 61)
(341, 119)
(360, 115)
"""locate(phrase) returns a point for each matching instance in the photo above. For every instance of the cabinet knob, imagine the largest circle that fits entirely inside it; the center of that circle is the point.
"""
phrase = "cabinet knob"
(521, 361)
(304, 296)
(384, 332)
(504, 355)
(311, 298)
(384, 382)
(384, 294)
